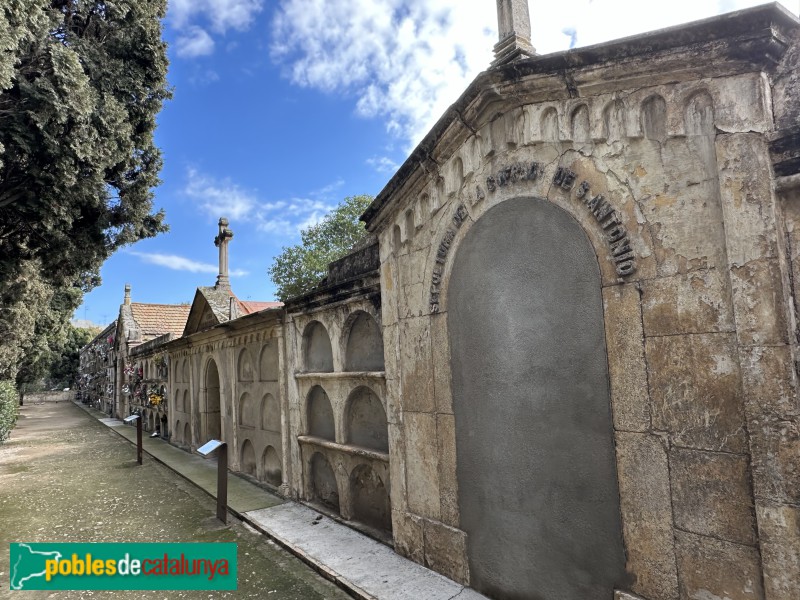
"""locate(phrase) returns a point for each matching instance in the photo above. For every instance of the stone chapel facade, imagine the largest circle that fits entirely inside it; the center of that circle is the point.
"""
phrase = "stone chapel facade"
(563, 366)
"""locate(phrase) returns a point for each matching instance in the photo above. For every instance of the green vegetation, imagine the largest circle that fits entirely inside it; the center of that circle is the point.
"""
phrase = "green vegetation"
(81, 83)
(8, 409)
(297, 269)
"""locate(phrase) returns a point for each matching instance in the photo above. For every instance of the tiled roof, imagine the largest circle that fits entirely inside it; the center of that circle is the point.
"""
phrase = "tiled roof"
(158, 319)
(248, 308)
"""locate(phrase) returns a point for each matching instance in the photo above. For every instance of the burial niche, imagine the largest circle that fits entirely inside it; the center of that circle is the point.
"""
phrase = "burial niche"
(320, 414)
(271, 467)
(370, 499)
(364, 350)
(212, 412)
(271, 414)
(323, 482)
(366, 420)
(317, 349)
(536, 469)
(248, 458)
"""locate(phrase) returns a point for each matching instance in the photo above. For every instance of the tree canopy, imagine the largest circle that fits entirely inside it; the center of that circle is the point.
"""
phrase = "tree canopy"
(77, 116)
(81, 83)
(299, 268)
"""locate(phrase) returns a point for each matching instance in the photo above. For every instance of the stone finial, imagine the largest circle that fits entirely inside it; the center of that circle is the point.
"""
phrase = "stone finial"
(221, 242)
(127, 293)
(514, 26)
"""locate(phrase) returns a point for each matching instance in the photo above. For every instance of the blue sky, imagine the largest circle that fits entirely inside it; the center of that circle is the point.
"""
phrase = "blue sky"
(282, 108)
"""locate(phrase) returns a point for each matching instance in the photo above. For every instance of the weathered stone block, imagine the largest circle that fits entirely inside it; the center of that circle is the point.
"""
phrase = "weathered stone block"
(448, 482)
(647, 515)
(408, 536)
(779, 526)
(696, 302)
(422, 464)
(446, 551)
(767, 377)
(626, 367)
(712, 495)
(710, 569)
(389, 295)
(758, 303)
(391, 352)
(696, 390)
(775, 444)
(442, 373)
(686, 217)
(618, 595)
(416, 365)
(397, 467)
(745, 182)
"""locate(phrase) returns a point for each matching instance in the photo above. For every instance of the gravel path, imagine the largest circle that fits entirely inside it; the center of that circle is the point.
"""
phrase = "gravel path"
(64, 477)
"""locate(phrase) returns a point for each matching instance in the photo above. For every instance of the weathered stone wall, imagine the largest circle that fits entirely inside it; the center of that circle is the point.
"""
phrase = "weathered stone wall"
(697, 307)
(337, 401)
(249, 358)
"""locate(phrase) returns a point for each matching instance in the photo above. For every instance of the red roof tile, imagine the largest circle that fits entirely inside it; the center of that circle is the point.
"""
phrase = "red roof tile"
(248, 308)
(158, 319)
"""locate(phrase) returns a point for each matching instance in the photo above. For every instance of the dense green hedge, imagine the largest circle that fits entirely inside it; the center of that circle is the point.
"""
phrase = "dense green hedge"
(9, 408)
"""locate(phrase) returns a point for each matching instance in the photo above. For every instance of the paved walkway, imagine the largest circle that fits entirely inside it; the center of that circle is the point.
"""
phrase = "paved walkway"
(357, 563)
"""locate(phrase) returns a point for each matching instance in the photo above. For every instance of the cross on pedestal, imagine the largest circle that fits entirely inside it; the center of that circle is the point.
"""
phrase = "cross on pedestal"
(514, 26)
(221, 242)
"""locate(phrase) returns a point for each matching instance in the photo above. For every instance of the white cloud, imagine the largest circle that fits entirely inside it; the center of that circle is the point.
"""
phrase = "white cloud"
(287, 217)
(220, 16)
(219, 198)
(181, 263)
(406, 61)
(383, 164)
(224, 198)
(195, 41)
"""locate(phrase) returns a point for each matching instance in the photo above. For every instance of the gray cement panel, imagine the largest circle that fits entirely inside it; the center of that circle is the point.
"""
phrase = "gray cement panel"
(536, 470)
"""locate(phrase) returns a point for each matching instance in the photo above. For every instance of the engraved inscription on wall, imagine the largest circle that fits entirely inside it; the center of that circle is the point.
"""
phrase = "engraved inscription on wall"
(603, 212)
(442, 252)
(606, 216)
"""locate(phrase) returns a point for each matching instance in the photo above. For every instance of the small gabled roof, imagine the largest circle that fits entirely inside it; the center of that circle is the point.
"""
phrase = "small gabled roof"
(159, 319)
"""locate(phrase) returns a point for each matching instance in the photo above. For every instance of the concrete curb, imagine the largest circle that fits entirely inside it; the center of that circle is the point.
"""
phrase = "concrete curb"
(344, 584)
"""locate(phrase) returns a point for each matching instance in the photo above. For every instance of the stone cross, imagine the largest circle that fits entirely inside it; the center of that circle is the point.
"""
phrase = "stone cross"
(221, 242)
(514, 26)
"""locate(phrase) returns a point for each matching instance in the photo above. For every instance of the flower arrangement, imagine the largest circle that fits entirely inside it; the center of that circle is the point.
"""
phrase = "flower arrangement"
(156, 399)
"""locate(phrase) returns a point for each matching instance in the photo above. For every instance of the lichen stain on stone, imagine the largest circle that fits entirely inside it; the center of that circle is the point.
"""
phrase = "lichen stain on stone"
(664, 201)
(387, 277)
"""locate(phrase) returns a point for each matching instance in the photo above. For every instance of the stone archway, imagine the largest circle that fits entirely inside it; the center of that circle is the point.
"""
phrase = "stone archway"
(538, 492)
(213, 418)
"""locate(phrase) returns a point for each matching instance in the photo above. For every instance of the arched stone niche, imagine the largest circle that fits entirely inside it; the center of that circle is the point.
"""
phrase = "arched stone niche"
(537, 383)
(320, 414)
(323, 482)
(187, 434)
(213, 416)
(271, 467)
(364, 349)
(248, 416)
(268, 362)
(247, 462)
(270, 414)
(317, 351)
(369, 498)
(245, 366)
(366, 420)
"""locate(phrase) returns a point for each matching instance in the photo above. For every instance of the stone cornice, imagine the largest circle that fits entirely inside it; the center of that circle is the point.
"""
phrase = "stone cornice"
(752, 40)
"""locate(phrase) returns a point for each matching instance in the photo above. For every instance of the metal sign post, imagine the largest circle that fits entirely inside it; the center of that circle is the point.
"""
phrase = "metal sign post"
(138, 420)
(222, 474)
